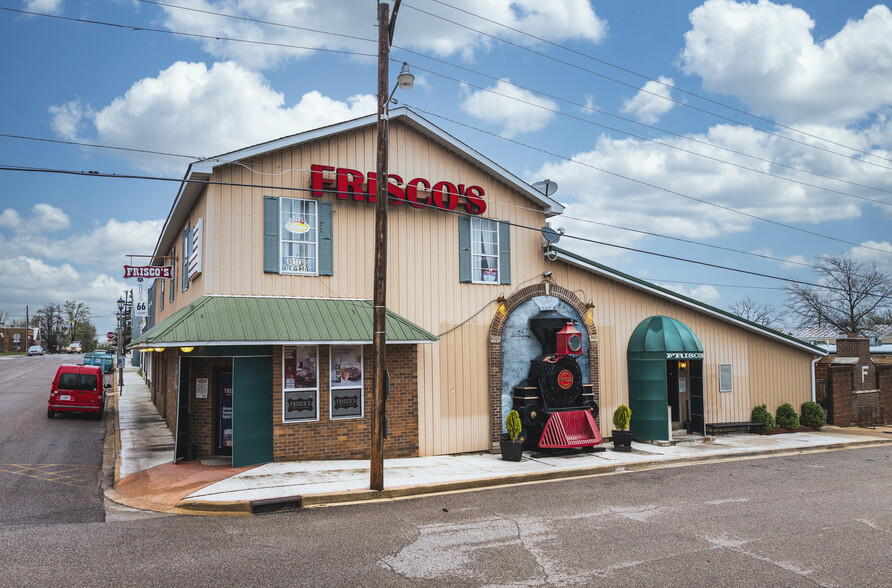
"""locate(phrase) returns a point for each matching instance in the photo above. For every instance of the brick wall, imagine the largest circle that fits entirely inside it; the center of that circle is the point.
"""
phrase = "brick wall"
(351, 438)
(841, 397)
(884, 377)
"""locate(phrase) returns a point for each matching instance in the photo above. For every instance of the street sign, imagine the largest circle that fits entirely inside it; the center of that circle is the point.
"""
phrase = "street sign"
(148, 271)
(110, 335)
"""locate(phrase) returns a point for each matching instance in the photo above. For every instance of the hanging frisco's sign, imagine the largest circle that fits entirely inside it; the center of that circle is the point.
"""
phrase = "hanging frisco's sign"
(419, 192)
(148, 271)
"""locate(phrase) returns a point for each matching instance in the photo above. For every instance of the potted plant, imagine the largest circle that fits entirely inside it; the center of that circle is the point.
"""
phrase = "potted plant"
(511, 445)
(622, 438)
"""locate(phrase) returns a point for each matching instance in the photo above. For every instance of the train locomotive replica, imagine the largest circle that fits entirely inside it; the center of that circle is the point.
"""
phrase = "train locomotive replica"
(557, 411)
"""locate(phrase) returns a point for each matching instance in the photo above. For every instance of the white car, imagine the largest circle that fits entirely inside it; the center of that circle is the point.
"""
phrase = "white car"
(35, 350)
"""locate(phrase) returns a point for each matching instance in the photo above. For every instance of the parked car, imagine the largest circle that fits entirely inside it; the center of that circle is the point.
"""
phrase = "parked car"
(78, 388)
(35, 350)
(75, 347)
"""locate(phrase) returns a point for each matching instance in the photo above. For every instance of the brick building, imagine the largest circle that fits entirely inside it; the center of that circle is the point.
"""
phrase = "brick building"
(262, 341)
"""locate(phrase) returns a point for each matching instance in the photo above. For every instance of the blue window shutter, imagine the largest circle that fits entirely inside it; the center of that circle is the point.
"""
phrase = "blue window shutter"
(270, 234)
(326, 241)
(504, 253)
(464, 249)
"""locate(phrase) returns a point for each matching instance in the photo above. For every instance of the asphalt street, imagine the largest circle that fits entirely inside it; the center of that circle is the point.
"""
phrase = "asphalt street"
(818, 519)
(49, 468)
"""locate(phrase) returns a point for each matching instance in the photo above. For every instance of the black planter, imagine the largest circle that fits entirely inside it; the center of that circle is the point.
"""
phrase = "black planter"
(622, 441)
(511, 450)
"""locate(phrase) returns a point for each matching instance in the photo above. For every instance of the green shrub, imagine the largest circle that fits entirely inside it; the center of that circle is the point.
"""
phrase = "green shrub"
(621, 417)
(512, 424)
(760, 414)
(812, 415)
(786, 417)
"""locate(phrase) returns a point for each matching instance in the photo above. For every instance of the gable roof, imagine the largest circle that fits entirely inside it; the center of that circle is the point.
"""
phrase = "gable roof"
(263, 320)
(200, 171)
(594, 267)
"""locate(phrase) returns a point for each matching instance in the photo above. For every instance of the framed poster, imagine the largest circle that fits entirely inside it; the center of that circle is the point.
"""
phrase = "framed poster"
(300, 383)
(346, 377)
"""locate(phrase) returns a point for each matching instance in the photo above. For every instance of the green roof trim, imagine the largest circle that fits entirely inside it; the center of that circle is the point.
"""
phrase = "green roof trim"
(256, 320)
(665, 292)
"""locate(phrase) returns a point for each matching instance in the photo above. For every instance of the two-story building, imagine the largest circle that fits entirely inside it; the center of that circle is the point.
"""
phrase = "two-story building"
(262, 342)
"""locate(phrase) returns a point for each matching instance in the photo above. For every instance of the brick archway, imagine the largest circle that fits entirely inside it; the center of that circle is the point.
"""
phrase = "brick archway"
(545, 288)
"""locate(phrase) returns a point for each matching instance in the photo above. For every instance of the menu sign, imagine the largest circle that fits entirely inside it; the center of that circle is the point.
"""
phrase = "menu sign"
(346, 382)
(301, 384)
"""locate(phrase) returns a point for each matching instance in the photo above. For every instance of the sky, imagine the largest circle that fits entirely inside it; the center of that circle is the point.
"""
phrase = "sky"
(751, 136)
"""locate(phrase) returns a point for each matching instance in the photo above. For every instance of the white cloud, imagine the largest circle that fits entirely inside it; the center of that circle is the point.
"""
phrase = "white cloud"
(766, 55)
(9, 219)
(707, 294)
(192, 110)
(649, 104)
(105, 246)
(556, 20)
(44, 219)
(517, 111)
(882, 258)
(44, 6)
(68, 119)
(699, 194)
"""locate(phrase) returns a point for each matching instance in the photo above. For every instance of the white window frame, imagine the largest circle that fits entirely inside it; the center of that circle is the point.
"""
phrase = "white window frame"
(478, 225)
(730, 377)
(285, 390)
(332, 389)
(283, 240)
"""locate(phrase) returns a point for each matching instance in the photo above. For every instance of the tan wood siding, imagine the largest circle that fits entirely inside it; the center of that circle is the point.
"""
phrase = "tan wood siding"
(423, 285)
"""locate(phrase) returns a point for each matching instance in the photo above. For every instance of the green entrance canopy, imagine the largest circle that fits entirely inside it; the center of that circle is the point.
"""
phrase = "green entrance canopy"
(653, 342)
(658, 336)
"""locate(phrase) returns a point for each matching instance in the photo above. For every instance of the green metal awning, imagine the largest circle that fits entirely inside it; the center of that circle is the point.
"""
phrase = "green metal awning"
(254, 320)
(659, 336)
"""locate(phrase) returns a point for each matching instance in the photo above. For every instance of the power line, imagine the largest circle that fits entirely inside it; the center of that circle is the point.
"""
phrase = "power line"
(647, 184)
(429, 206)
(193, 35)
(83, 144)
(652, 127)
(657, 81)
(655, 141)
(684, 104)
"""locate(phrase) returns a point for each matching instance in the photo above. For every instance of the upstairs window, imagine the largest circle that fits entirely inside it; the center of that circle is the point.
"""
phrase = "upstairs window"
(484, 251)
(297, 237)
(298, 233)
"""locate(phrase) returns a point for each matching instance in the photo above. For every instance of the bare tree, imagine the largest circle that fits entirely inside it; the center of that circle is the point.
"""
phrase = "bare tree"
(4, 317)
(848, 294)
(757, 312)
(49, 319)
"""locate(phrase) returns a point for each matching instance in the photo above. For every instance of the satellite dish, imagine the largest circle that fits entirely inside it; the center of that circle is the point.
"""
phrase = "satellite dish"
(547, 187)
(551, 236)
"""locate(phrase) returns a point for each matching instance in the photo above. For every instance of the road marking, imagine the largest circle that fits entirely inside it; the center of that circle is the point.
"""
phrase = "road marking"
(58, 473)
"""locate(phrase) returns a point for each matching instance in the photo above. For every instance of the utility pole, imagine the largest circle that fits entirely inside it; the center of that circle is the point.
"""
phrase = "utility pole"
(379, 338)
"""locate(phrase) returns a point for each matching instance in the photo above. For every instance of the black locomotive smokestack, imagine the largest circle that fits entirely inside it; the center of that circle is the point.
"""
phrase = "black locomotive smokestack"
(545, 326)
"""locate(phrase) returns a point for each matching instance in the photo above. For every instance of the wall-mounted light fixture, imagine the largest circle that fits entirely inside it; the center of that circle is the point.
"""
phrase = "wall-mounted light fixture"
(186, 349)
(159, 349)
(502, 306)
(682, 364)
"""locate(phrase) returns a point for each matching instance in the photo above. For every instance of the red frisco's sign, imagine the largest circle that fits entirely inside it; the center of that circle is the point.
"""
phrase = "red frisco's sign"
(148, 271)
(419, 192)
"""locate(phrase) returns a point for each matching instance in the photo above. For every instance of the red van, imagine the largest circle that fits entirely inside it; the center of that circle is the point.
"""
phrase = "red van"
(78, 388)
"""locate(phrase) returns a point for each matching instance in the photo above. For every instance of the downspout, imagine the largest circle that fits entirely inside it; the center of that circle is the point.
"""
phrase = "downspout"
(814, 361)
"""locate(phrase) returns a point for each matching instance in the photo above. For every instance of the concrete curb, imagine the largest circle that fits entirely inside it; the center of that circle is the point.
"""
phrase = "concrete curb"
(195, 507)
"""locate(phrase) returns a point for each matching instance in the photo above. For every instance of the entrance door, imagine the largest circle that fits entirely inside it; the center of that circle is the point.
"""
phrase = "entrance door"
(698, 418)
(183, 436)
(222, 412)
(252, 411)
(672, 391)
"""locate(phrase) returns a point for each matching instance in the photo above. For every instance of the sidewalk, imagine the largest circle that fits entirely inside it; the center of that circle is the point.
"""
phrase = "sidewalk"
(146, 478)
